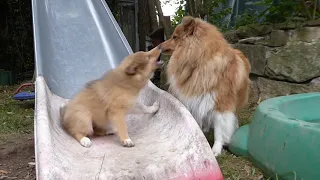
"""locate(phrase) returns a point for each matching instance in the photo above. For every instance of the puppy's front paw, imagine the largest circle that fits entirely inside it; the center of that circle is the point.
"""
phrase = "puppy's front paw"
(154, 108)
(85, 142)
(127, 143)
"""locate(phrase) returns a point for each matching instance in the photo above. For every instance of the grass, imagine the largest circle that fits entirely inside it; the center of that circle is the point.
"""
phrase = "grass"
(16, 117)
(237, 168)
(233, 167)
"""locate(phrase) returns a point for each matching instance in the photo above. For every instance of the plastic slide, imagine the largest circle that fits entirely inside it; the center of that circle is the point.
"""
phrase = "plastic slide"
(77, 41)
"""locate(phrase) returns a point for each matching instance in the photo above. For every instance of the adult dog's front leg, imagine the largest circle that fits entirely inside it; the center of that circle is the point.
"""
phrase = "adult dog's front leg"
(140, 108)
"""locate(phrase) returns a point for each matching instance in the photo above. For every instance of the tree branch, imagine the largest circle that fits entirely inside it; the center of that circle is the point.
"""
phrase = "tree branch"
(314, 9)
(306, 8)
(153, 14)
(191, 8)
(162, 20)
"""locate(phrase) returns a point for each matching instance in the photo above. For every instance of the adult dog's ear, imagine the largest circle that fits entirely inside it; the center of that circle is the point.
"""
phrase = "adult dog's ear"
(188, 23)
(131, 69)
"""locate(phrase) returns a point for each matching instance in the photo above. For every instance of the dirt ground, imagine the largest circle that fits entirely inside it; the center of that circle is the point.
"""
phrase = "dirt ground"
(16, 136)
(17, 156)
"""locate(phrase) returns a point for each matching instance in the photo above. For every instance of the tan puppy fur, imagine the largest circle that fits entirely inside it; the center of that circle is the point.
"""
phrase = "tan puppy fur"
(208, 76)
(101, 107)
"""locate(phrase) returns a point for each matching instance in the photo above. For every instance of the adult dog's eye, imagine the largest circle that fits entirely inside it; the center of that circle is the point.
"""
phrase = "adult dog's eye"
(174, 37)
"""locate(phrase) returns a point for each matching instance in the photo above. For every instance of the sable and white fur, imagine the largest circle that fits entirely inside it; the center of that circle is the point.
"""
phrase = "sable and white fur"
(208, 76)
(100, 108)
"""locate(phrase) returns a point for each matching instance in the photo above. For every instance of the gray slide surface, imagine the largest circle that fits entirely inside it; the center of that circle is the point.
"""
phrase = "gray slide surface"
(77, 41)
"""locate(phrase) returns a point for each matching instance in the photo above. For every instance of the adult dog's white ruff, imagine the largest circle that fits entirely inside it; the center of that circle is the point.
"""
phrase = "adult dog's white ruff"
(202, 109)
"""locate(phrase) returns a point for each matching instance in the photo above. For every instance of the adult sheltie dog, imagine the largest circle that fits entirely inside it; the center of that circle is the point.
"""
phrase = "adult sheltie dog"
(208, 76)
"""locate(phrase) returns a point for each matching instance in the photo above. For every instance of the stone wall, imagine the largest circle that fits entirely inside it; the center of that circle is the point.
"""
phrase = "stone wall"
(280, 52)
(285, 58)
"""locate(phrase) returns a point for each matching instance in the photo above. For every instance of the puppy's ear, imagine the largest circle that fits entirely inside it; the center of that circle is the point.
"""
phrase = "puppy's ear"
(132, 69)
(188, 23)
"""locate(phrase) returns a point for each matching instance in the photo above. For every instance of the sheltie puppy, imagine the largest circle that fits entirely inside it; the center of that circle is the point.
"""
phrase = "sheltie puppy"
(208, 76)
(101, 107)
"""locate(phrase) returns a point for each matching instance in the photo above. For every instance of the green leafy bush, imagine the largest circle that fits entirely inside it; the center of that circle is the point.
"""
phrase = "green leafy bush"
(16, 38)
(249, 16)
(287, 10)
(275, 11)
(212, 16)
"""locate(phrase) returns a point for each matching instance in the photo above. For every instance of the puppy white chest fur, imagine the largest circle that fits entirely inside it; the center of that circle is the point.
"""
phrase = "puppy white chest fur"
(201, 107)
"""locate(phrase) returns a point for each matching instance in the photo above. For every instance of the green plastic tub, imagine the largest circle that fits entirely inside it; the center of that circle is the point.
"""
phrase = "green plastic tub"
(284, 137)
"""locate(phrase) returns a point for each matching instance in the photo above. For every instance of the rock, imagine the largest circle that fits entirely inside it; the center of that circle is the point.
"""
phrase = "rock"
(275, 39)
(306, 34)
(31, 163)
(288, 25)
(256, 54)
(231, 37)
(315, 81)
(253, 30)
(253, 91)
(296, 62)
(267, 88)
(252, 40)
(315, 22)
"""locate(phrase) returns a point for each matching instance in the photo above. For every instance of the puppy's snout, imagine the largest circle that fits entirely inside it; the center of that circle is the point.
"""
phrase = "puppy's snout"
(155, 52)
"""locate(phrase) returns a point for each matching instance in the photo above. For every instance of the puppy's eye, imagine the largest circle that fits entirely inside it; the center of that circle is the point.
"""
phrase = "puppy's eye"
(174, 37)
